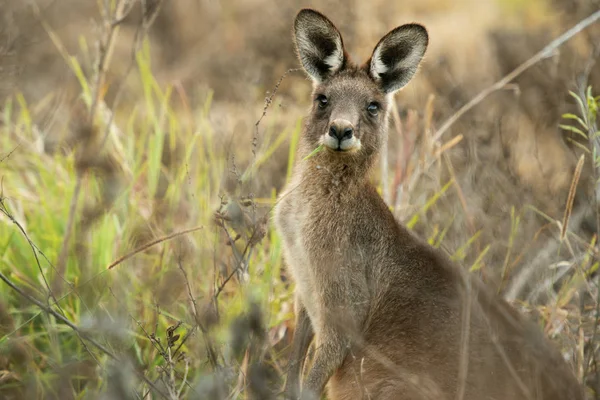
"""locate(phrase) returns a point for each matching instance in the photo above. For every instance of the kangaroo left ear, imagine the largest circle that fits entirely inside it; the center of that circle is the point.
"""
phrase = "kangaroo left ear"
(397, 55)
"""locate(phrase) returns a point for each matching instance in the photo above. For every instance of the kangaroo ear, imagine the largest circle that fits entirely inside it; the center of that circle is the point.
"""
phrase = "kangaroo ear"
(397, 56)
(319, 44)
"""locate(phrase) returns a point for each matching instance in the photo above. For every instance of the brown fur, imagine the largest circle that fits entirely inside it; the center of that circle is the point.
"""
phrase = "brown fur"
(392, 317)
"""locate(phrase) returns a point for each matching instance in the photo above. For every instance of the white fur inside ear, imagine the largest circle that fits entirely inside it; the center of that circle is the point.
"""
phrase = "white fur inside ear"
(304, 44)
(409, 62)
(377, 66)
(335, 59)
(309, 51)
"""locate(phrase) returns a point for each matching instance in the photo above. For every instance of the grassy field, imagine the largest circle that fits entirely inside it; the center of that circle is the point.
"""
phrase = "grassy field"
(136, 250)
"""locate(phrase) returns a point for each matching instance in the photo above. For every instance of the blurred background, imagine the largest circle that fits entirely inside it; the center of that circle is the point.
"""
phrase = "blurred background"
(153, 137)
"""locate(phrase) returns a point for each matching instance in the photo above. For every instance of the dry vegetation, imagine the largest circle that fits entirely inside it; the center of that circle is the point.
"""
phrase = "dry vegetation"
(136, 135)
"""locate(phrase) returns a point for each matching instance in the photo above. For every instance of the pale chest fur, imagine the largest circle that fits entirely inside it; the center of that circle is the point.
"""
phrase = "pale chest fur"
(317, 246)
(290, 219)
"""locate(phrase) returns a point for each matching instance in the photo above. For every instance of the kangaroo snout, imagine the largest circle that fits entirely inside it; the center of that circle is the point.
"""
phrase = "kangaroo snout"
(341, 136)
(341, 129)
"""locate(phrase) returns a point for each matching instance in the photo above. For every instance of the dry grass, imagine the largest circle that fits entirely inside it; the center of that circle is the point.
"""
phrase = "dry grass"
(118, 135)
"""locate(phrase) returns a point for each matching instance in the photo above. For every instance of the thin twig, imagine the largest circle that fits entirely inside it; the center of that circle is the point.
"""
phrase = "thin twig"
(383, 164)
(542, 54)
(249, 173)
(240, 261)
(7, 156)
(61, 262)
(210, 350)
(150, 244)
(269, 99)
(4, 210)
(571, 197)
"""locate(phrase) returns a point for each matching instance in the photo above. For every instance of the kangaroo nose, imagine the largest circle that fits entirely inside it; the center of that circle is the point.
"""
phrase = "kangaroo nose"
(341, 129)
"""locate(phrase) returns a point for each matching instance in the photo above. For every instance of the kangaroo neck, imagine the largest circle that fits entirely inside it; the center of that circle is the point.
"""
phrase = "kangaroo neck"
(328, 173)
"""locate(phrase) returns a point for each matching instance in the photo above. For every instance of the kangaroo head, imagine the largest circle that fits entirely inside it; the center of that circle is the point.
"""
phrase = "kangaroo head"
(349, 115)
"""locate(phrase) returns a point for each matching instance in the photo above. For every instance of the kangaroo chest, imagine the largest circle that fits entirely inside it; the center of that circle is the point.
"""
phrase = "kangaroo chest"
(318, 247)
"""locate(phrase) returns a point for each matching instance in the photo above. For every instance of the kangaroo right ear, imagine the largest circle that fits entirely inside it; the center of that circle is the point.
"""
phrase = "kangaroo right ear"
(319, 44)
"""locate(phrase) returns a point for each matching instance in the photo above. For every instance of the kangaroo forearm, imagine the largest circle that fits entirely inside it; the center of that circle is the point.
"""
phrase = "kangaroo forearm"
(303, 336)
(329, 356)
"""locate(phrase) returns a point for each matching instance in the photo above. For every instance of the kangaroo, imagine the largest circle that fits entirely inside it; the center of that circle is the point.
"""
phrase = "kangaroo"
(392, 317)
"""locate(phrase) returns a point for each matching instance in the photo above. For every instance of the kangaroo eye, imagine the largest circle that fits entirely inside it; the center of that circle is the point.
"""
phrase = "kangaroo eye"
(322, 101)
(373, 108)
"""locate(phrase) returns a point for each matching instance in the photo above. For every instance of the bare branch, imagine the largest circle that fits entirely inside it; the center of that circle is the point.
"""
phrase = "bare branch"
(150, 244)
(541, 55)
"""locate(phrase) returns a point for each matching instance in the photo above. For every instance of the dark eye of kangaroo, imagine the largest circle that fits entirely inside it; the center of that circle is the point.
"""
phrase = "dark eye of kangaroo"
(322, 99)
(373, 108)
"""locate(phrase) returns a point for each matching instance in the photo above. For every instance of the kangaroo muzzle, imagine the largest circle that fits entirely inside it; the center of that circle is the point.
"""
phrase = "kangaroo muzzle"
(341, 136)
